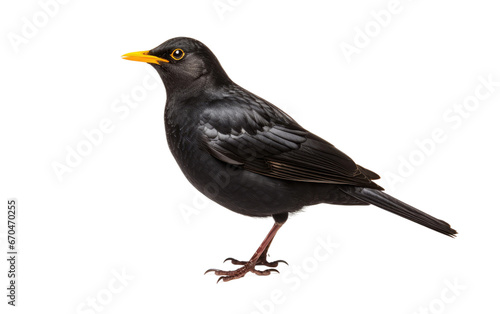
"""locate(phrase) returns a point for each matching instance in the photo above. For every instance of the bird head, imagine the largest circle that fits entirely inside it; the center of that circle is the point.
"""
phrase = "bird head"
(184, 64)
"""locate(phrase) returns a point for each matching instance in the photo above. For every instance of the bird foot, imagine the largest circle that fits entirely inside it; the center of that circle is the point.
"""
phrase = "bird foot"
(228, 275)
(261, 261)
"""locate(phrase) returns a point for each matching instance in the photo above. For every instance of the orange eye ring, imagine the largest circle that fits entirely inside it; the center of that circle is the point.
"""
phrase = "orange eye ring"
(177, 54)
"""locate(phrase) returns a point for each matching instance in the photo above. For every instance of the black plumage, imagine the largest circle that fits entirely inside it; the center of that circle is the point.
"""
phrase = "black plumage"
(251, 157)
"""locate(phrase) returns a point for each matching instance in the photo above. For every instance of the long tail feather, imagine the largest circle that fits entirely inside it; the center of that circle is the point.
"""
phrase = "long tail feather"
(389, 203)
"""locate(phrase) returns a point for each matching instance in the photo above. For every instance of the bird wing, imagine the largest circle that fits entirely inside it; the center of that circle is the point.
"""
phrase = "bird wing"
(263, 139)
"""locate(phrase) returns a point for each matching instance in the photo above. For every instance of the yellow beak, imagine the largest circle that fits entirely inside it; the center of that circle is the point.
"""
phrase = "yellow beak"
(143, 56)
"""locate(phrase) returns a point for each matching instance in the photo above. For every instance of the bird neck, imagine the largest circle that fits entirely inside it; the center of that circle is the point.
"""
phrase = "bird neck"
(181, 90)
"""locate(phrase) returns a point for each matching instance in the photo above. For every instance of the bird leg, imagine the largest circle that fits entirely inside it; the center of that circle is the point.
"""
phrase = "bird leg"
(259, 258)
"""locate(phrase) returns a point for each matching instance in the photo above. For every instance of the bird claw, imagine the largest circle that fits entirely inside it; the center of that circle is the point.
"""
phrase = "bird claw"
(228, 275)
(260, 262)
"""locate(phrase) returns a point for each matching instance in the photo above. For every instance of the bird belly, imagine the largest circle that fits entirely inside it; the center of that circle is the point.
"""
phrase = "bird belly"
(234, 187)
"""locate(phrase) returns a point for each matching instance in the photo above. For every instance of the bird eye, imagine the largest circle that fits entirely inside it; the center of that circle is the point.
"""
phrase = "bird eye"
(177, 54)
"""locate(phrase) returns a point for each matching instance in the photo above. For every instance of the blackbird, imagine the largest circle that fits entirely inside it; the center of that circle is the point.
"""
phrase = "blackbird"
(249, 156)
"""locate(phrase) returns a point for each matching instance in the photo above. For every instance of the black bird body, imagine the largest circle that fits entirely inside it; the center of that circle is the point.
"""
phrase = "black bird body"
(209, 137)
(248, 155)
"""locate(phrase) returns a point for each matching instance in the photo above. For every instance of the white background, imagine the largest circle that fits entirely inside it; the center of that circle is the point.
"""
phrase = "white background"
(126, 207)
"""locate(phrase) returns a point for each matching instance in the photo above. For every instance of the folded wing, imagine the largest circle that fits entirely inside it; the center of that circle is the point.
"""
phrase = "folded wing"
(263, 139)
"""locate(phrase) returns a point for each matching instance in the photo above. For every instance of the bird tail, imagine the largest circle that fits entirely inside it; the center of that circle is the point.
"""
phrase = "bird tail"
(395, 206)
